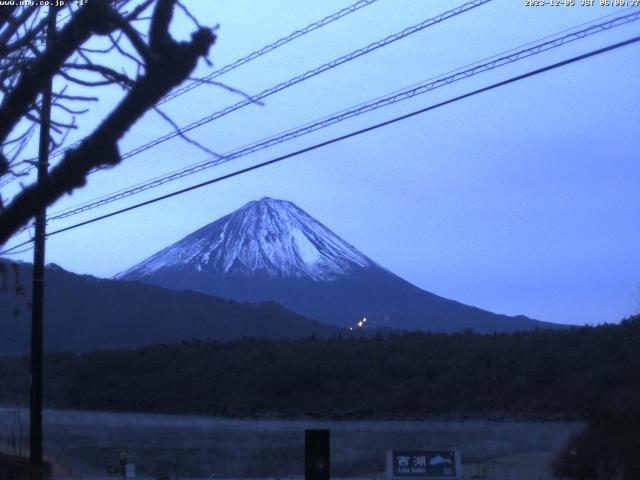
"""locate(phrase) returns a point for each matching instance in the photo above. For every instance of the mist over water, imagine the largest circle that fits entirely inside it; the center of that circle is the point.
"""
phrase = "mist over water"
(83, 443)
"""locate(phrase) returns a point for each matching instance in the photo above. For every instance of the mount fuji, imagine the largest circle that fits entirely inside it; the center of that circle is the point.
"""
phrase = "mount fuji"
(271, 250)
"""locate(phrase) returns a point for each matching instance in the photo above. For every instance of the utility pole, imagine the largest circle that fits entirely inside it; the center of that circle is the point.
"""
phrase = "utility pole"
(37, 309)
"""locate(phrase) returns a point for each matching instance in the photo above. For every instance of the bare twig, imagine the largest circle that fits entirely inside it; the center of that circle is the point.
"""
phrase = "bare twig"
(183, 136)
(228, 88)
(166, 64)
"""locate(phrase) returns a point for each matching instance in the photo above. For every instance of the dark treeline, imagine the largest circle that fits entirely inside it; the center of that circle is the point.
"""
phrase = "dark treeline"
(607, 448)
(539, 374)
(13, 467)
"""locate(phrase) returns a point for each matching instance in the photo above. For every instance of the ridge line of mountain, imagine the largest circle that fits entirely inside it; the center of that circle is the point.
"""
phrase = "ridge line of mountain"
(271, 249)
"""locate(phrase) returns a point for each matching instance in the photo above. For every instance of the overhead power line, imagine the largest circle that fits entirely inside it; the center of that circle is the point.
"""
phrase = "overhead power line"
(267, 48)
(298, 79)
(281, 158)
(308, 74)
(289, 83)
(380, 102)
(210, 162)
(231, 66)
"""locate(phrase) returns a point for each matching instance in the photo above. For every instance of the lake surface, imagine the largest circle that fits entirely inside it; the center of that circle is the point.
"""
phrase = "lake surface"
(89, 443)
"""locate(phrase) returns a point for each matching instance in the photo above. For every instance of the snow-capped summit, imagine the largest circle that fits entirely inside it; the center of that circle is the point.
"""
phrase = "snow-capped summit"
(270, 250)
(267, 237)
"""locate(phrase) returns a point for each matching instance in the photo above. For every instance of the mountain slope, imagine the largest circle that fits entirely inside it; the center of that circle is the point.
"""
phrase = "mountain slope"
(272, 237)
(86, 313)
(272, 250)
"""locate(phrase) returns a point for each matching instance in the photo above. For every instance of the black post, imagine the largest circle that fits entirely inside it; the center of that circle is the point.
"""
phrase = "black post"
(316, 455)
(37, 343)
(123, 463)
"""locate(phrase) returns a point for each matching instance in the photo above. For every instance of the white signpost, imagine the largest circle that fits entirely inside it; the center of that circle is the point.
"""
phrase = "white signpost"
(130, 471)
(423, 465)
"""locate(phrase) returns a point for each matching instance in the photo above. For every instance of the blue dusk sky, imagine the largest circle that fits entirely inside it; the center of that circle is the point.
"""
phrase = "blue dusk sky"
(521, 200)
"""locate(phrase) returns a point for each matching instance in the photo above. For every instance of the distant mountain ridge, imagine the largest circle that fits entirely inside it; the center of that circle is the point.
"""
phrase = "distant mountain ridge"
(84, 313)
(272, 250)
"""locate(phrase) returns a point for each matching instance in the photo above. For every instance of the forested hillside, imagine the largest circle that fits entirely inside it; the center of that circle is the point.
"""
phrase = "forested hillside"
(86, 313)
(544, 374)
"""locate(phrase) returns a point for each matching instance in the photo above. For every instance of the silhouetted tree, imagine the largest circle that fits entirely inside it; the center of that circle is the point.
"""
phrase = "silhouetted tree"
(156, 64)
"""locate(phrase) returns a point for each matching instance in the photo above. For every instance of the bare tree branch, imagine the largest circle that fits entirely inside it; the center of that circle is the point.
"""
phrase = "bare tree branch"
(5, 14)
(182, 135)
(93, 18)
(229, 88)
(31, 35)
(167, 65)
(105, 72)
(135, 14)
(13, 25)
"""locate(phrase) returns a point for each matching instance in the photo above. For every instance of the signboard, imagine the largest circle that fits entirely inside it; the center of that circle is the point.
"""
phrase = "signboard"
(435, 464)
(130, 471)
